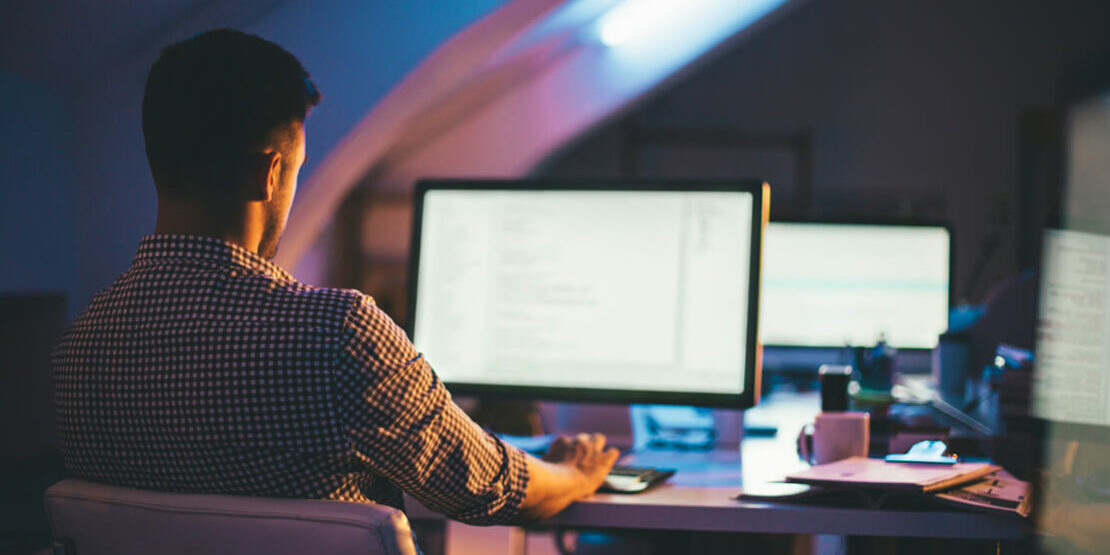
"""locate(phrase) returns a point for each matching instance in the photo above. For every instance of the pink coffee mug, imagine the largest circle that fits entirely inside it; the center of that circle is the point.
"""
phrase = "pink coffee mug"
(834, 436)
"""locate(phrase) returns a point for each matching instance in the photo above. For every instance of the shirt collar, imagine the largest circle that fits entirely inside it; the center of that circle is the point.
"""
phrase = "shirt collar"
(159, 248)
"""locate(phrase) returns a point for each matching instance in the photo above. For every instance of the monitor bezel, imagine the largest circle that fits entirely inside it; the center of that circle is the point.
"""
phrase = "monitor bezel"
(881, 222)
(752, 376)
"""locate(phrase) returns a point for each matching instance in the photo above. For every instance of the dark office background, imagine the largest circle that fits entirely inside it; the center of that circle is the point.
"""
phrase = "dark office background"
(940, 110)
(872, 109)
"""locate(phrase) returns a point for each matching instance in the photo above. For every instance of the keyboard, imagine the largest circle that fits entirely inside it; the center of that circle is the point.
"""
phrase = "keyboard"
(634, 479)
(622, 478)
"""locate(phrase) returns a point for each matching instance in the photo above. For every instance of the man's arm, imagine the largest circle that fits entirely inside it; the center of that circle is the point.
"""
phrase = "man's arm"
(406, 429)
(572, 469)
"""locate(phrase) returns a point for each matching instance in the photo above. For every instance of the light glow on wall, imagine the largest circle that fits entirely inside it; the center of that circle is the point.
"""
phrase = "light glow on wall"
(633, 21)
(634, 18)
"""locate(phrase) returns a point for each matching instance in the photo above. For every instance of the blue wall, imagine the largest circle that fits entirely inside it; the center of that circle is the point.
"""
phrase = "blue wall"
(37, 240)
(356, 51)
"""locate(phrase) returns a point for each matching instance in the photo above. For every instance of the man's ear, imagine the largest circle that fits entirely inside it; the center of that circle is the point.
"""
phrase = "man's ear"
(265, 174)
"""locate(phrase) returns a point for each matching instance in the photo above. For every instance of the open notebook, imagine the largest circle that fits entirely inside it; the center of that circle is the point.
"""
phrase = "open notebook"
(862, 472)
(875, 484)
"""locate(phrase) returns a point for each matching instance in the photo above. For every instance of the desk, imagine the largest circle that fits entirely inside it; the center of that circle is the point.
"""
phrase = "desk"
(700, 497)
(702, 500)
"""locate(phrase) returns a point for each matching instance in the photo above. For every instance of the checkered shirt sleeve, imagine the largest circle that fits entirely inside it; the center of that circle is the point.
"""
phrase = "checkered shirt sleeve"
(405, 427)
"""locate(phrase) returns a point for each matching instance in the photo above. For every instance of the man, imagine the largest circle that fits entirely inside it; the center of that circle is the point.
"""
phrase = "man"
(207, 368)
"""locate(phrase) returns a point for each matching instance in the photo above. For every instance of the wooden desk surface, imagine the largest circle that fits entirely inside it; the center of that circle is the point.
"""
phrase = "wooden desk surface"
(681, 507)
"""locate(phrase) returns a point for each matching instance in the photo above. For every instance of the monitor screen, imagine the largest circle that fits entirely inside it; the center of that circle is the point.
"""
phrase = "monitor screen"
(837, 284)
(611, 292)
(1073, 348)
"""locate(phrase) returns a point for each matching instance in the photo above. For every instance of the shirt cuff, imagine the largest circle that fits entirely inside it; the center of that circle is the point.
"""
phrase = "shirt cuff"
(516, 481)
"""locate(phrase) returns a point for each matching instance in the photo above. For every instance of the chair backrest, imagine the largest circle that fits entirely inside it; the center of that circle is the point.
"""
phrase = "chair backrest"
(94, 519)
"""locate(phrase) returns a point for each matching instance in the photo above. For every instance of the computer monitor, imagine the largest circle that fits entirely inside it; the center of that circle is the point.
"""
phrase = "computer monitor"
(618, 292)
(831, 284)
(1072, 383)
(1071, 369)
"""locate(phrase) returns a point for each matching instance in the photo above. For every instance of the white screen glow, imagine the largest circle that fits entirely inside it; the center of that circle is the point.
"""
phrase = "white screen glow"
(830, 285)
(628, 290)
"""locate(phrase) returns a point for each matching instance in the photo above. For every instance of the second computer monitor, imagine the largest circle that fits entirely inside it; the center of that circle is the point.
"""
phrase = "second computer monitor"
(835, 284)
(616, 292)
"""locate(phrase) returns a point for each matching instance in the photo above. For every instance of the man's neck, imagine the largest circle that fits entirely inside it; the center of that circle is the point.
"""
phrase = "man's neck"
(237, 225)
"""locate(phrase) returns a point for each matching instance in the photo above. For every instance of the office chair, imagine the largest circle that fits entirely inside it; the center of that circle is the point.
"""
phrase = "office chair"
(93, 519)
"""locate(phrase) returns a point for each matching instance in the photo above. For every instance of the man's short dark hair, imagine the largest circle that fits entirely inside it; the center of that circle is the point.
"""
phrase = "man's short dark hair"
(213, 100)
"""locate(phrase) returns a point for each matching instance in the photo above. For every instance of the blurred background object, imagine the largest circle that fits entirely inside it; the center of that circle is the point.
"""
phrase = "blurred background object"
(30, 459)
(1071, 381)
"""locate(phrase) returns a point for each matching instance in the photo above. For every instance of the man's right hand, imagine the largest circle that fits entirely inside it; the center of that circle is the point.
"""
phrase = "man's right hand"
(572, 469)
(587, 454)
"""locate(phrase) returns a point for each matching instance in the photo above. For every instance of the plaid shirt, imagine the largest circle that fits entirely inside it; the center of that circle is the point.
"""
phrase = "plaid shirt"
(208, 369)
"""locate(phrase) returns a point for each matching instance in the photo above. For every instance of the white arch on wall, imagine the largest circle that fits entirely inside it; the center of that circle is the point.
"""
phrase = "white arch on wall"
(498, 98)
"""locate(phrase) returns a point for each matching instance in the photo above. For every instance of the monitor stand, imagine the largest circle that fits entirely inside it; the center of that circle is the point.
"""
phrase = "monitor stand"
(512, 417)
